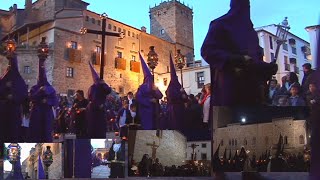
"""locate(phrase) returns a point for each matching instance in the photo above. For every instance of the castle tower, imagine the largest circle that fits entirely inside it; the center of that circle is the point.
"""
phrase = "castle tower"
(173, 21)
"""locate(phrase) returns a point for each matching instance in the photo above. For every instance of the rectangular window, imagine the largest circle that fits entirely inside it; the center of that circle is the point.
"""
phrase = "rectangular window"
(109, 26)
(285, 46)
(124, 32)
(129, 33)
(133, 58)
(203, 156)
(99, 22)
(271, 56)
(93, 21)
(133, 34)
(204, 145)
(271, 42)
(200, 79)
(74, 45)
(98, 49)
(70, 72)
(27, 70)
(119, 29)
(294, 50)
(286, 63)
(119, 54)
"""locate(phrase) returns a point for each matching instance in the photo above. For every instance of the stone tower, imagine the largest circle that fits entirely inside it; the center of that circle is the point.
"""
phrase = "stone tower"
(173, 21)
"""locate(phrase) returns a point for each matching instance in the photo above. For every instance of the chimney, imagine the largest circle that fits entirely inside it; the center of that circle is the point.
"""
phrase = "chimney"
(143, 29)
(28, 4)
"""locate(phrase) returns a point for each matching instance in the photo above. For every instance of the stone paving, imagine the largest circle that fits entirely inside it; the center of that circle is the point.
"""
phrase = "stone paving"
(101, 172)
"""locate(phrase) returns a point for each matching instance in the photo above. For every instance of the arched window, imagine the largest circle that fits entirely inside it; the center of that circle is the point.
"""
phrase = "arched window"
(93, 20)
(221, 142)
(229, 142)
(285, 139)
(232, 142)
(235, 142)
(301, 139)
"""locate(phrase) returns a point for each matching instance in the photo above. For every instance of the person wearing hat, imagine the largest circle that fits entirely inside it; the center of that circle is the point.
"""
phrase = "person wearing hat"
(95, 111)
(148, 96)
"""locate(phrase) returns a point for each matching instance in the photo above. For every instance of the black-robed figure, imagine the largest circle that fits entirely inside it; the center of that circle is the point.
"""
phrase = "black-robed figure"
(79, 108)
(231, 47)
(117, 158)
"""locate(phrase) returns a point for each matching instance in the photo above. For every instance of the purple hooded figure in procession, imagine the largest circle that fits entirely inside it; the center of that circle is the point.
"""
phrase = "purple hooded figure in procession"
(315, 123)
(176, 99)
(231, 47)
(43, 98)
(96, 114)
(13, 92)
(148, 96)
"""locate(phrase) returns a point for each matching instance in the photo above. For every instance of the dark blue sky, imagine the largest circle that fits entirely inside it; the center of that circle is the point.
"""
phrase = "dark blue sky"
(301, 13)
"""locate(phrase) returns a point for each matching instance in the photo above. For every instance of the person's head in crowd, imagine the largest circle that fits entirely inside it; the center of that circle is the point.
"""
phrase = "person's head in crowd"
(133, 108)
(79, 95)
(203, 90)
(306, 67)
(191, 97)
(283, 101)
(130, 95)
(273, 83)
(284, 79)
(125, 103)
(312, 87)
(197, 97)
(293, 78)
(207, 88)
(157, 160)
(165, 99)
(294, 89)
(117, 140)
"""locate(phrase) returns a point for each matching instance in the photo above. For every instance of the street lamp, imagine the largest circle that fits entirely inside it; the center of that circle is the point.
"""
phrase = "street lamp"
(10, 49)
(43, 49)
(180, 63)
(47, 160)
(281, 35)
(14, 151)
(152, 60)
(243, 120)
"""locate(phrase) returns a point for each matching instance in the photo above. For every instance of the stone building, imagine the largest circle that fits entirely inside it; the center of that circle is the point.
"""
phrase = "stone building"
(261, 137)
(67, 64)
(55, 171)
(167, 145)
(202, 151)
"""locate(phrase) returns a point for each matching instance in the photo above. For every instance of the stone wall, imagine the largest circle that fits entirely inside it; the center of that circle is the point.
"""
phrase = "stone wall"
(172, 146)
(261, 137)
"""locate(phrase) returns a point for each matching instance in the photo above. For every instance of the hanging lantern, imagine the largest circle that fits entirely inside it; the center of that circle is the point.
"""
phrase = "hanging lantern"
(14, 151)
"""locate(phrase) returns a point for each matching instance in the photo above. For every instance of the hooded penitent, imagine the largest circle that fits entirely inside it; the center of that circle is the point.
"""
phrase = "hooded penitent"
(229, 38)
(16, 174)
(96, 112)
(13, 92)
(148, 110)
(176, 100)
(43, 97)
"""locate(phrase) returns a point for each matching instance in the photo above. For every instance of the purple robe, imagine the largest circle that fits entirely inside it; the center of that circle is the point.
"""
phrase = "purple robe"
(82, 161)
(96, 112)
(229, 38)
(16, 174)
(176, 100)
(11, 109)
(43, 98)
(148, 110)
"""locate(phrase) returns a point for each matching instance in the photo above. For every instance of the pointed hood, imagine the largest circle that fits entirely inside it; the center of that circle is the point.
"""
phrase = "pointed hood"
(94, 74)
(235, 155)
(145, 68)
(230, 156)
(42, 76)
(173, 73)
(279, 145)
(16, 174)
(225, 154)
(41, 173)
(216, 154)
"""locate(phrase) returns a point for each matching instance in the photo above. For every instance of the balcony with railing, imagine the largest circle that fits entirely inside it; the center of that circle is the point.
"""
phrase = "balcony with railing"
(96, 58)
(73, 55)
(120, 63)
(135, 66)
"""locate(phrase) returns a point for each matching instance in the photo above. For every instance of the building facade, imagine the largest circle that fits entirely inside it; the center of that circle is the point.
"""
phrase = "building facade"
(67, 65)
(261, 137)
(314, 37)
(30, 164)
(292, 54)
(202, 150)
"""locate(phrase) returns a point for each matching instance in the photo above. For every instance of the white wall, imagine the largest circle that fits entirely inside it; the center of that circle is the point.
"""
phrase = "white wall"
(199, 150)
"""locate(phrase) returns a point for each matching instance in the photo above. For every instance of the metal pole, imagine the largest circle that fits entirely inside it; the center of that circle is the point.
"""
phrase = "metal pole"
(279, 43)
(73, 159)
(181, 78)
(103, 36)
